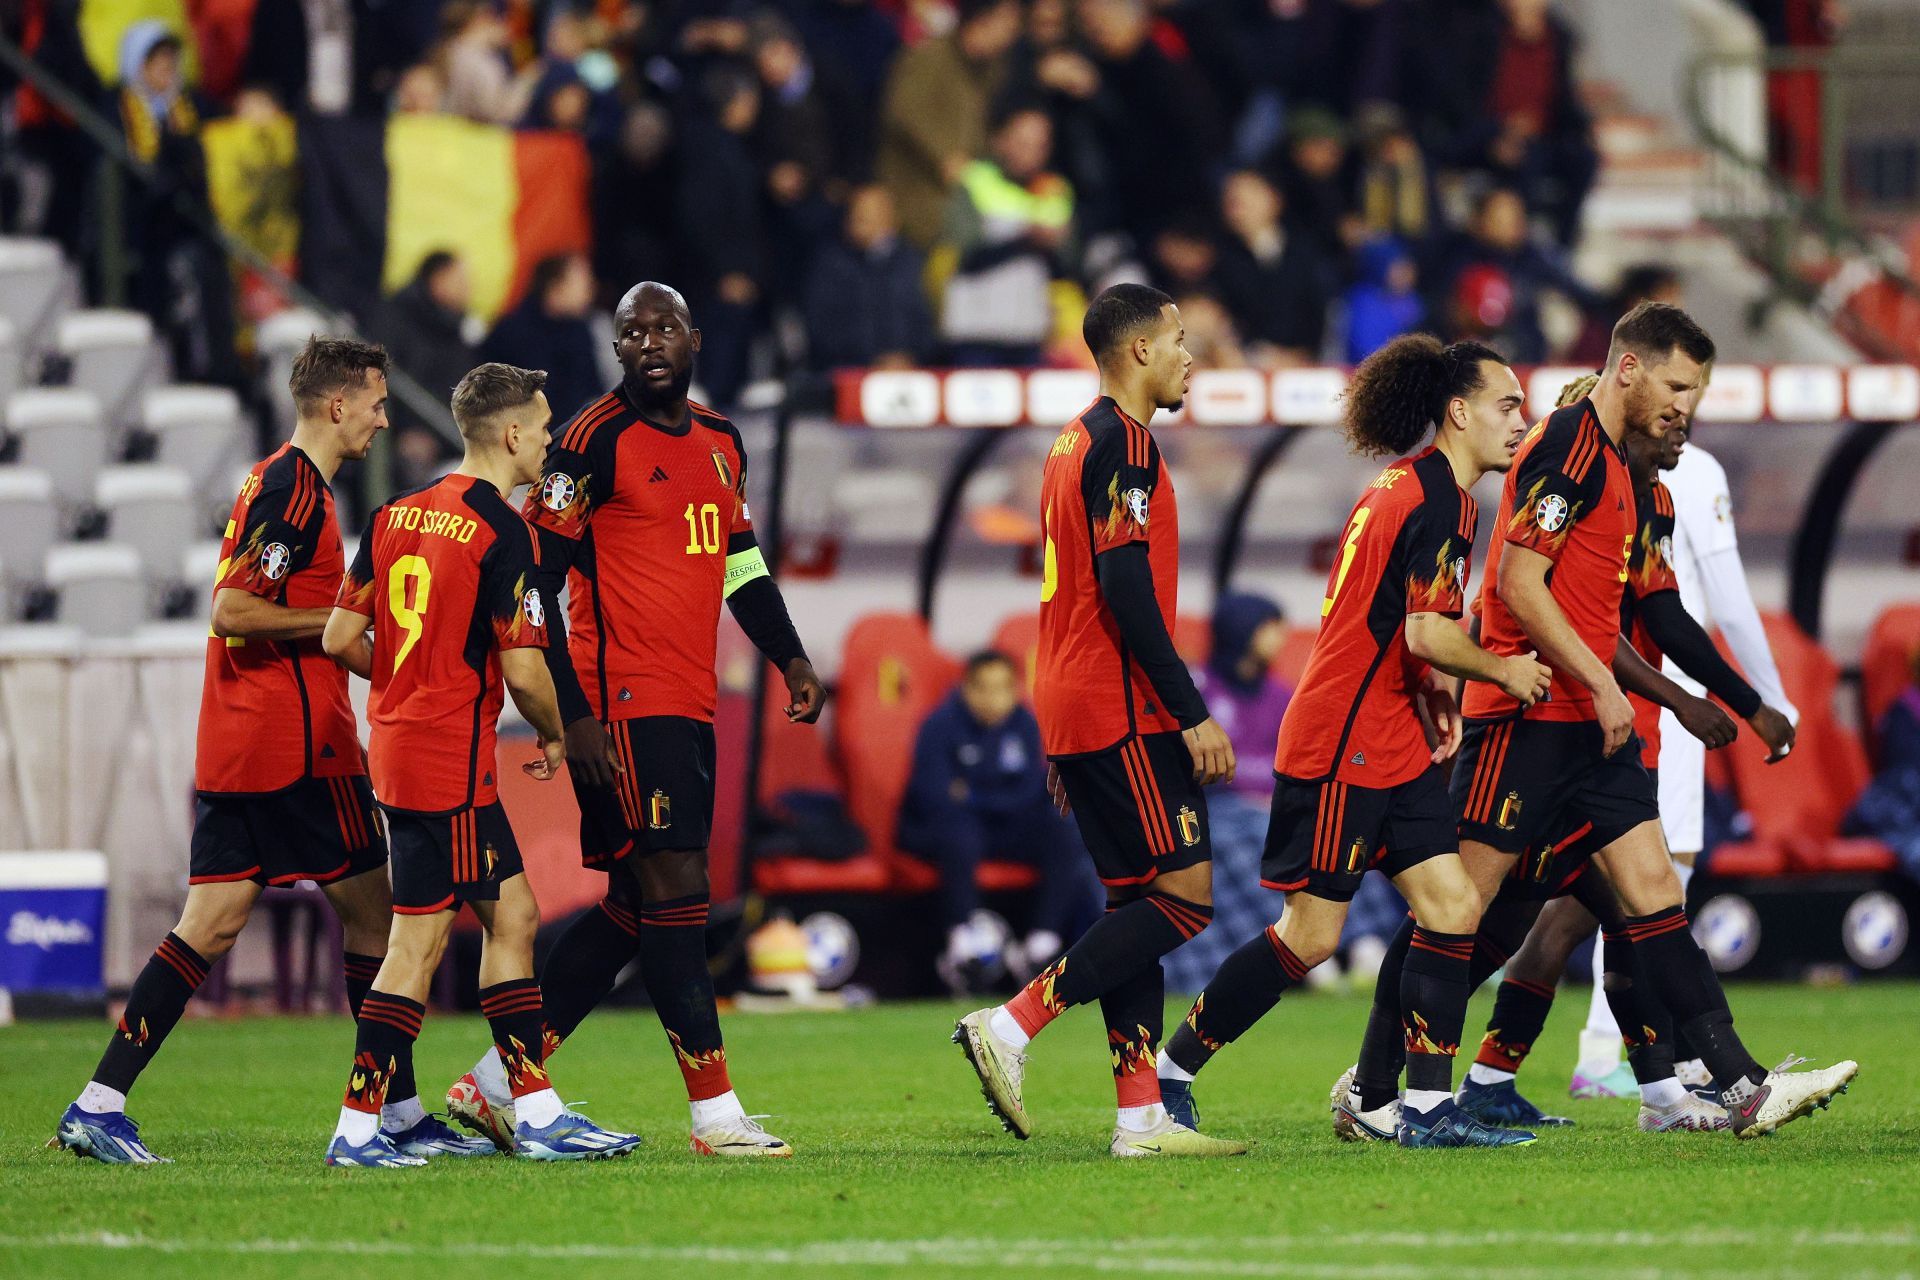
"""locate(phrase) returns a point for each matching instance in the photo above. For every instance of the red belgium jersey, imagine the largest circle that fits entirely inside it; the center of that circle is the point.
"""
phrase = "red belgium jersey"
(1105, 485)
(275, 711)
(1649, 571)
(1406, 550)
(446, 574)
(1568, 497)
(643, 519)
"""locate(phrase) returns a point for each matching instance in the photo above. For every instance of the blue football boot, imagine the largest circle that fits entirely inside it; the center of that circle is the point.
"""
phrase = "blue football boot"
(1177, 1097)
(571, 1136)
(1448, 1125)
(432, 1136)
(1503, 1106)
(378, 1152)
(111, 1137)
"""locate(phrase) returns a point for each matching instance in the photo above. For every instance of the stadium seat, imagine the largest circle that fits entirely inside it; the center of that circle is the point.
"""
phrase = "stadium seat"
(33, 281)
(198, 429)
(793, 757)
(891, 676)
(1797, 805)
(884, 505)
(102, 589)
(1192, 638)
(63, 433)
(1291, 662)
(199, 563)
(29, 523)
(150, 507)
(1019, 638)
(111, 354)
(278, 339)
(1887, 663)
(12, 361)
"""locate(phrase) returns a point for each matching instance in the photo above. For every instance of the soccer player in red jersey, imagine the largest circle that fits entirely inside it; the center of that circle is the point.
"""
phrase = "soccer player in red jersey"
(1127, 734)
(1654, 622)
(280, 779)
(641, 511)
(445, 580)
(1555, 575)
(1359, 780)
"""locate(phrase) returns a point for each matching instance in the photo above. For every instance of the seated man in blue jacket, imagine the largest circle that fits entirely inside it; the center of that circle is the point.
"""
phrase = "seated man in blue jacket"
(978, 791)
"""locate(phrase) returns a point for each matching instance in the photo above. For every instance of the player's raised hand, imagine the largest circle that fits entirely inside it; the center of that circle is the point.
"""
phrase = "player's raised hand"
(1615, 715)
(809, 695)
(547, 767)
(1706, 721)
(1775, 730)
(1212, 752)
(1522, 678)
(1057, 791)
(588, 751)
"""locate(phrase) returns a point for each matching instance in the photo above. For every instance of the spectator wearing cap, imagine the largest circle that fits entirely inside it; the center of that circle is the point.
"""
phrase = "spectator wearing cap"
(1316, 180)
(933, 122)
(866, 304)
(1008, 233)
(1269, 274)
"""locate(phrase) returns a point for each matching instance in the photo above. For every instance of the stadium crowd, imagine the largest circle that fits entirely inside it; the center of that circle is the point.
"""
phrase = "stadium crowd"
(870, 182)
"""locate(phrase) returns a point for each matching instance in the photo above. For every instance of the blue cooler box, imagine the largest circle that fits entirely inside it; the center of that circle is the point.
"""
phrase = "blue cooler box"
(53, 917)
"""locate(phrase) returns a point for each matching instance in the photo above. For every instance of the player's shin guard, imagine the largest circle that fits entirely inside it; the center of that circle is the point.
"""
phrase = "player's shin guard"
(1135, 1012)
(1383, 1049)
(383, 1043)
(1118, 946)
(1433, 1006)
(159, 996)
(583, 965)
(1248, 984)
(359, 972)
(673, 964)
(1645, 1028)
(1519, 1012)
(1683, 980)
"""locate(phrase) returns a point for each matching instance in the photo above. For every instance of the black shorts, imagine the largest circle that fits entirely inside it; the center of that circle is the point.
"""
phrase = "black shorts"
(1138, 808)
(663, 800)
(443, 860)
(1323, 836)
(1553, 869)
(1524, 784)
(319, 829)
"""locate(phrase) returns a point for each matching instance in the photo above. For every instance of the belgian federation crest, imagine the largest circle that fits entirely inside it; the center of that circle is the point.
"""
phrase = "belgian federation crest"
(725, 468)
(1189, 825)
(659, 811)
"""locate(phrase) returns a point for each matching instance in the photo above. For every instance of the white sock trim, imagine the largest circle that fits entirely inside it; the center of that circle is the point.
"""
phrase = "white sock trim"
(1168, 1069)
(97, 1099)
(1481, 1073)
(357, 1127)
(1424, 1100)
(491, 1075)
(539, 1108)
(1008, 1028)
(1141, 1119)
(396, 1117)
(716, 1110)
(1663, 1093)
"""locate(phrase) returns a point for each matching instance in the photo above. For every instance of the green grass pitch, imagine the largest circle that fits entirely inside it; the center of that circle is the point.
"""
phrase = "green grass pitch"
(902, 1171)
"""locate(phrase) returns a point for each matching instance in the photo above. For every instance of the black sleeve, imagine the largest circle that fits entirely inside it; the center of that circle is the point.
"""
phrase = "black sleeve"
(550, 578)
(762, 613)
(1683, 640)
(1126, 580)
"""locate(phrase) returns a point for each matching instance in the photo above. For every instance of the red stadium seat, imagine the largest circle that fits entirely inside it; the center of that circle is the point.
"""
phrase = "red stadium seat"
(1887, 662)
(793, 757)
(1019, 638)
(891, 676)
(1291, 662)
(1192, 638)
(1797, 805)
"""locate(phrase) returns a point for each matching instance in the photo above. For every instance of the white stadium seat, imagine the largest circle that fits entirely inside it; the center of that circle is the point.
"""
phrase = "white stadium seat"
(102, 589)
(278, 340)
(198, 563)
(112, 354)
(33, 283)
(150, 507)
(198, 429)
(62, 432)
(12, 359)
(29, 522)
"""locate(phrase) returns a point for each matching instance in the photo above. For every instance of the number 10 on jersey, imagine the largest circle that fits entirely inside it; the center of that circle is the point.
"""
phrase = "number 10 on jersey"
(703, 528)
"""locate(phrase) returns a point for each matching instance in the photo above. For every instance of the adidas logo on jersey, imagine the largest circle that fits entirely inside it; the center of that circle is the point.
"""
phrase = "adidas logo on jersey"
(326, 752)
(659, 474)
(1359, 758)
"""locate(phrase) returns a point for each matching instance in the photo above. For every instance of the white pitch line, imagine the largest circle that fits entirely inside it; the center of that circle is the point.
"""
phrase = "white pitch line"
(1161, 1256)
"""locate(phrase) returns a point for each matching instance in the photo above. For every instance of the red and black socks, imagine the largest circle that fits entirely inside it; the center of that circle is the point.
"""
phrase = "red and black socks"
(1433, 1010)
(360, 972)
(383, 1044)
(159, 996)
(1682, 979)
(1120, 944)
(584, 964)
(673, 964)
(1134, 1012)
(1519, 1013)
(514, 1015)
(1248, 984)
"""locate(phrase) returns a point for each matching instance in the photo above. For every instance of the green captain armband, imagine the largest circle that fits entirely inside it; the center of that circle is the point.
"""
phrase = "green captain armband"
(742, 567)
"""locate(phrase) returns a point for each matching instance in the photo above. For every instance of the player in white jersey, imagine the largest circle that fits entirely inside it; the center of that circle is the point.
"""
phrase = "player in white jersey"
(1713, 588)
